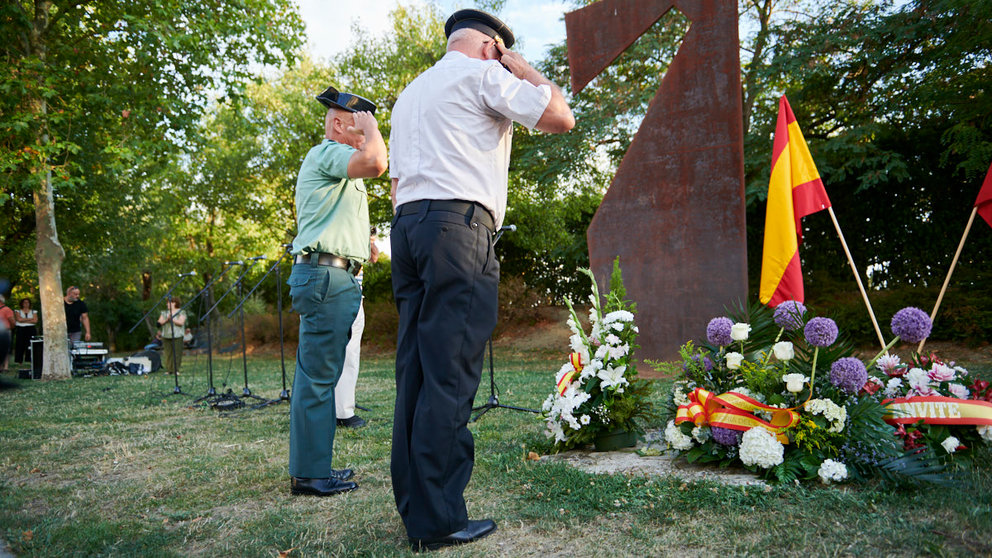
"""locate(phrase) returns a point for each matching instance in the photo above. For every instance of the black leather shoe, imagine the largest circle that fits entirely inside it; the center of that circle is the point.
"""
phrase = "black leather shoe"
(475, 531)
(321, 487)
(342, 474)
(354, 421)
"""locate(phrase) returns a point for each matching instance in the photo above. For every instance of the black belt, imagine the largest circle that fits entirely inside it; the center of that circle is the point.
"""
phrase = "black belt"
(466, 208)
(323, 258)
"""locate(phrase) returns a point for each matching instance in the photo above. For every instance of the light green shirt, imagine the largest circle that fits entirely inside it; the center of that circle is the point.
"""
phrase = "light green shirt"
(332, 210)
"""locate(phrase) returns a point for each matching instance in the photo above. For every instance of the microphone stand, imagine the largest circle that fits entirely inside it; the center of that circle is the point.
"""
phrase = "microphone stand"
(167, 296)
(493, 401)
(227, 400)
(211, 390)
(284, 394)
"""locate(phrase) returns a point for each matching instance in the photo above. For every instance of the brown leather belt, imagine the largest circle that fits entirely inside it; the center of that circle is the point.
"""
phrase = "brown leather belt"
(323, 258)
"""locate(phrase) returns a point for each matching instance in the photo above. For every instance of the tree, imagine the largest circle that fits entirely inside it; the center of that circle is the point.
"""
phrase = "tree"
(95, 93)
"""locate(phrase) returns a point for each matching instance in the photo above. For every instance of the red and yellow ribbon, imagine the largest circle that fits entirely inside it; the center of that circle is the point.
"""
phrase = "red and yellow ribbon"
(933, 409)
(734, 411)
(566, 378)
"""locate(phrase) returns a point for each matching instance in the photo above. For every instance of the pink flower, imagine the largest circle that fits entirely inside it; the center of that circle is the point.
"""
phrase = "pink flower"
(959, 391)
(941, 373)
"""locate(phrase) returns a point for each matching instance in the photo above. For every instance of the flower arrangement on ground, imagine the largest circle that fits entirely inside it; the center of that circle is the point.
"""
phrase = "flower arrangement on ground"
(597, 390)
(781, 393)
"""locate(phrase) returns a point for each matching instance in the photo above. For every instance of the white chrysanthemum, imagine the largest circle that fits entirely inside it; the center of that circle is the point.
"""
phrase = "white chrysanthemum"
(950, 444)
(618, 316)
(894, 387)
(959, 391)
(831, 470)
(985, 431)
(836, 414)
(618, 326)
(701, 434)
(917, 378)
(962, 372)
(760, 447)
(584, 419)
(612, 339)
(678, 395)
(676, 438)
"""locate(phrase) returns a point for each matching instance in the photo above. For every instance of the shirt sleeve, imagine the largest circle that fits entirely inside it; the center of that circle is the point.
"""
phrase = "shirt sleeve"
(514, 98)
(332, 160)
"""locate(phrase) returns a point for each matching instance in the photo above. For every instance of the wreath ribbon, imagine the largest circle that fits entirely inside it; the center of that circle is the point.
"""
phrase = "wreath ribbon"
(734, 411)
(933, 409)
(566, 378)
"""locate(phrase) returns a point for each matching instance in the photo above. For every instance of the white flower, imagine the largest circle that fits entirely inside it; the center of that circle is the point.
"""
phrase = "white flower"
(618, 316)
(602, 352)
(985, 431)
(794, 382)
(701, 434)
(892, 388)
(739, 331)
(734, 360)
(678, 396)
(554, 430)
(836, 414)
(951, 444)
(760, 447)
(783, 350)
(831, 470)
(959, 391)
(742, 390)
(584, 419)
(962, 372)
(617, 353)
(676, 438)
(612, 377)
(547, 403)
(618, 326)
(612, 339)
(887, 362)
(917, 378)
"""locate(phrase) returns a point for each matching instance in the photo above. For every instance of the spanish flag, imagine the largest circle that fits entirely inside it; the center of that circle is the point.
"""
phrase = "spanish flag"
(984, 201)
(794, 191)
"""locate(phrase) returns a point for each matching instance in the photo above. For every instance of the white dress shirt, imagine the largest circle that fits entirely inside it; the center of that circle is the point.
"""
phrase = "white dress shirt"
(451, 131)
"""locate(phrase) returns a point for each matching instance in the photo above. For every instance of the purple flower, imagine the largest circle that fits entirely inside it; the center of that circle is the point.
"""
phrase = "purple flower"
(706, 363)
(726, 436)
(911, 324)
(821, 332)
(789, 315)
(718, 332)
(848, 374)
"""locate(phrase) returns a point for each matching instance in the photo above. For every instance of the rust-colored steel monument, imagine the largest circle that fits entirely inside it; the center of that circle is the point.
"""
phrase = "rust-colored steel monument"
(675, 210)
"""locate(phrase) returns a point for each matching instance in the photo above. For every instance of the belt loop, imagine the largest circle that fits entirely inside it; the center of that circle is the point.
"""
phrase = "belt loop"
(425, 206)
(314, 259)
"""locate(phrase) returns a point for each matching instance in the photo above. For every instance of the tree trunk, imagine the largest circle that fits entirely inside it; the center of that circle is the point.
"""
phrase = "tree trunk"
(48, 251)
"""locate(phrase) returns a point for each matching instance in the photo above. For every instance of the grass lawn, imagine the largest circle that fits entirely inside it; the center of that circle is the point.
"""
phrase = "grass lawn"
(120, 466)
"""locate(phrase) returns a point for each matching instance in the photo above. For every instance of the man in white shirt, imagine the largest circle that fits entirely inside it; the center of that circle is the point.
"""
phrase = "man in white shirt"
(449, 159)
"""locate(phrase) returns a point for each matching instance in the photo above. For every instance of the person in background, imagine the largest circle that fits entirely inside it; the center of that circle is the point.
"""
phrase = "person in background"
(6, 329)
(26, 321)
(77, 317)
(172, 325)
(344, 392)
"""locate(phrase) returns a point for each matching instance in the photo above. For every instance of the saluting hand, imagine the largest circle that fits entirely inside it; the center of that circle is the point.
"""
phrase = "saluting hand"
(514, 62)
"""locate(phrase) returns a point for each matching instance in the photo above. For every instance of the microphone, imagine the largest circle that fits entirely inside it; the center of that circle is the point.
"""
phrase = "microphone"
(510, 228)
(256, 258)
(187, 274)
(289, 245)
(235, 262)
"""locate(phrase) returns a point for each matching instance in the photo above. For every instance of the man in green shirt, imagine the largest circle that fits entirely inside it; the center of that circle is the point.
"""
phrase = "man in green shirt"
(330, 247)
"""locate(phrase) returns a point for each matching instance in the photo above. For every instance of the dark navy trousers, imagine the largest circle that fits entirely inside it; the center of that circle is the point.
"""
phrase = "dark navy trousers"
(445, 279)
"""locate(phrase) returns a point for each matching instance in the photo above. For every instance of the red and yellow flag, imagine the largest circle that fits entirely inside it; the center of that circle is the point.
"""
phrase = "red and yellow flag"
(984, 201)
(794, 191)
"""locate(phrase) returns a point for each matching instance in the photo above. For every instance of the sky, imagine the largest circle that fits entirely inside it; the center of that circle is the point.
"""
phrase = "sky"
(535, 23)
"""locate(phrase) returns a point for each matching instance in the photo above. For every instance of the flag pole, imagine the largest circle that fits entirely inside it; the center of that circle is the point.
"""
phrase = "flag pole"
(857, 276)
(954, 262)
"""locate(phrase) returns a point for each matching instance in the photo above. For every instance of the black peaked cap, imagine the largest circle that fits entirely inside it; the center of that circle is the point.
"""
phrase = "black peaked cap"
(480, 21)
(332, 98)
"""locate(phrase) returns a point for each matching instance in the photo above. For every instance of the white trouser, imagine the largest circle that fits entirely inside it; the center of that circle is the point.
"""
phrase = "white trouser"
(344, 393)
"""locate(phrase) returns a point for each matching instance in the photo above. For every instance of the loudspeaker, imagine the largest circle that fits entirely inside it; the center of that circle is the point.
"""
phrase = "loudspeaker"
(153, 356)
(37, 356)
